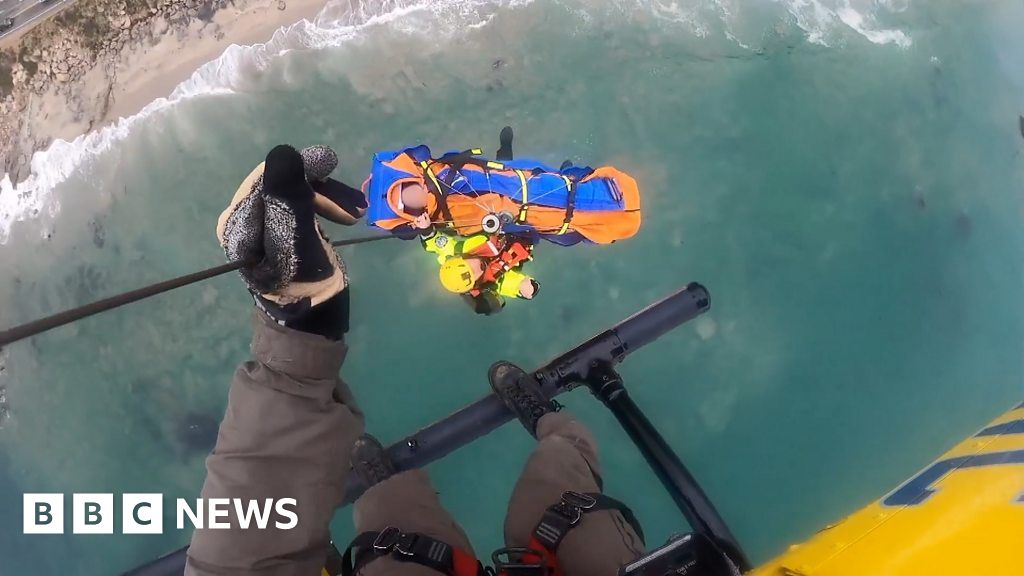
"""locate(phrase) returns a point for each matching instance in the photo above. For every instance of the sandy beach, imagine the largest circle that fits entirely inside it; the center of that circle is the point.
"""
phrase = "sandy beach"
(64, 87)
(146, 73)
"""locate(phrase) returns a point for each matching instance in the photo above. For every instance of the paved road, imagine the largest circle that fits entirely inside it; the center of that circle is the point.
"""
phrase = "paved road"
(27, 13)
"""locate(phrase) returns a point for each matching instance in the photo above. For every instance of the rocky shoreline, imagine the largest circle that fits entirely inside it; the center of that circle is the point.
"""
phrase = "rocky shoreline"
(58, 82)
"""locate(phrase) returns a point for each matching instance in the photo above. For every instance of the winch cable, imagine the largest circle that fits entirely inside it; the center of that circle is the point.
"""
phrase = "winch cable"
(66, 317)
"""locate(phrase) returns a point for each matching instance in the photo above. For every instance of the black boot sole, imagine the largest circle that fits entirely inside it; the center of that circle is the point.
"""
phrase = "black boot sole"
(505, 141)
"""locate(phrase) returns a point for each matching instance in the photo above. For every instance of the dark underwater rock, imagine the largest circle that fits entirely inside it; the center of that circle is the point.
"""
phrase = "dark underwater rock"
(197, 432)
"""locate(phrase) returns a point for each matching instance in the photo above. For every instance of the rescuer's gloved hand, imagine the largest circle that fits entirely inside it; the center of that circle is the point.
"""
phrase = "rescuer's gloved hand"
(334, 200)
(293, 273)
(319, 161)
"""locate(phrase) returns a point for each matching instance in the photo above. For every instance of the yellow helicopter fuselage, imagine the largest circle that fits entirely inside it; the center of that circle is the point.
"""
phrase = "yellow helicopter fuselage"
(963, 515)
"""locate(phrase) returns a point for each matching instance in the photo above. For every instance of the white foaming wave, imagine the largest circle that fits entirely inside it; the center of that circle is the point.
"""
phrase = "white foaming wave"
(703, 17)
(743, 22)
(687, 15)
(342, 21)
(821, 19)
(855, 20)
(690, 14)
(339, 22)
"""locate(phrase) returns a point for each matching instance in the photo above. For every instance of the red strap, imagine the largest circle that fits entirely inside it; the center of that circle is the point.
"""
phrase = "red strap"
(510, 258)
(516, 254)
(465, 564)
(538, 553)
(494, 268)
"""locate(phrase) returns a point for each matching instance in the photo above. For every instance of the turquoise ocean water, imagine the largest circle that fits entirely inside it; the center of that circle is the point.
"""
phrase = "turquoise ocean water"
(844, 176)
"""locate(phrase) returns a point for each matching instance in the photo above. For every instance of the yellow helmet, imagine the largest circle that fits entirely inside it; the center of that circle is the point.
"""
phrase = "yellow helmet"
(456, 275)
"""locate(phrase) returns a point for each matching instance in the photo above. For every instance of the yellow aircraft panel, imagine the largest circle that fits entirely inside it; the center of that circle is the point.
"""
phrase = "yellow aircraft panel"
(963, 515)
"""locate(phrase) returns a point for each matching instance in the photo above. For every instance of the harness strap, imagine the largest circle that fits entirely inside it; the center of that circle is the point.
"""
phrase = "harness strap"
(440, 189)
(567, 514)
(526, 197)
(409, 547)
(434, 187)
(570, 204)
(513, 255)
(459, 159)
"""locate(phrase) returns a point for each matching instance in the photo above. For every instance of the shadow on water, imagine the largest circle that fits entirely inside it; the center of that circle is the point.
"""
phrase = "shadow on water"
(197, 433)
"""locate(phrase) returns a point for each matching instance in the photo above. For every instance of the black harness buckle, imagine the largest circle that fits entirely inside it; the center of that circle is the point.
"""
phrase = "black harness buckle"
(581, 501)
(386, 541)
(406, 547)
(406, 544)
(572, 506)
(510, 561)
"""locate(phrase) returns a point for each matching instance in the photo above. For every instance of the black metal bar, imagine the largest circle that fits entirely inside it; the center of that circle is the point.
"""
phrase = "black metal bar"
(441, 438)
(68, 316)
(489, 413)
(613, 345)
(674, 476)
(663, 316)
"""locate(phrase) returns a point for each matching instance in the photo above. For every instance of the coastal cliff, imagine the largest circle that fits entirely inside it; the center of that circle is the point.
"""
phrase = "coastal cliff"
(99, 60)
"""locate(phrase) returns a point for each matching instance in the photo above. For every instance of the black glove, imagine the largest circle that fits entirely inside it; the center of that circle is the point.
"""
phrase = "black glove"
(294, 275)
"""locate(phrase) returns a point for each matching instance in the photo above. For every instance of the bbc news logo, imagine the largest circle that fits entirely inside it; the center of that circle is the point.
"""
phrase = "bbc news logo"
(143, 513)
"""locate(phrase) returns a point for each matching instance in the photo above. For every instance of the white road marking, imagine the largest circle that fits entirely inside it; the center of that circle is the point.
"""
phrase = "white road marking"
(33, 19)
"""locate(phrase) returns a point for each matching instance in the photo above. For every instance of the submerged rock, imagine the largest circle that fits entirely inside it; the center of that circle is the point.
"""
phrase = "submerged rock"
(919, 199)
(197, 432)
(99, 235)
(5, 410)
(86, 282)
(963, 225)
(567, 315)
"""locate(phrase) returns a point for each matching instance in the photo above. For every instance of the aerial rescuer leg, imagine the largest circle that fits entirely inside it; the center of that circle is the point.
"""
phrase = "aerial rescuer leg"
(558, 522)
(540, 556)
(405, 531)
(543, 528)
(401, 499)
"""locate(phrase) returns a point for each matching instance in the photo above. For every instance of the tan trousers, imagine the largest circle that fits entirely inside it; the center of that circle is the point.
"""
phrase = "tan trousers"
(565, 459)
(287, 433)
